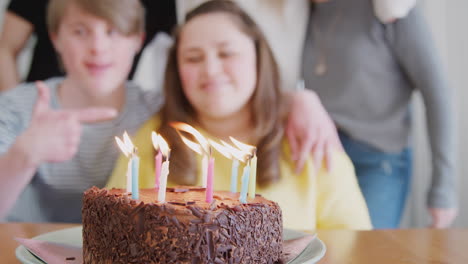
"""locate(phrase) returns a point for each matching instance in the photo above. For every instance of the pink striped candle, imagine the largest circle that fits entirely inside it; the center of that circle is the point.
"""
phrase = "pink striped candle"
(210, 181)
(157, 170)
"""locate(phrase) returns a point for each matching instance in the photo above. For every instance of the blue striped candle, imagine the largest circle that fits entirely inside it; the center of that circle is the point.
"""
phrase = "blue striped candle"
(135, 168)
(245, 184)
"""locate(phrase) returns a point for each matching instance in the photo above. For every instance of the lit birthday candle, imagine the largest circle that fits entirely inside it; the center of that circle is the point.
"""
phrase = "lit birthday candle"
(244, 184)
(233, 154)
(166, 152)
(135, 166)
(202, 148)
(126, 150)
(157, 159)
(252, 164)
(253, 174)
(135, 174)
(129, 150)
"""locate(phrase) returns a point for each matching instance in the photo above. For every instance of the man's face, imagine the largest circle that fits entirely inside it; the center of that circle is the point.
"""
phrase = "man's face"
(96, 56)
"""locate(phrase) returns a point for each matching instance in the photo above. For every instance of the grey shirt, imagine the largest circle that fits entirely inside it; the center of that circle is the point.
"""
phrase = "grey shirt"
(372, 71)
(55, 192)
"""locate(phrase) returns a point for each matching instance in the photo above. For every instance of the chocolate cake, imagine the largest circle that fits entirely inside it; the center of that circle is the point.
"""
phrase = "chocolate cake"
(184, 229)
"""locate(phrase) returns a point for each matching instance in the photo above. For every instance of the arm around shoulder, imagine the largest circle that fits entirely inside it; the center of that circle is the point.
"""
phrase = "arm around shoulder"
(310, 129)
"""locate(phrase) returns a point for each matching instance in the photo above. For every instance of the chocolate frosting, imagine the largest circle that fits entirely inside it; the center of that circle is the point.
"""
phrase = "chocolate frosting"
(185, 229)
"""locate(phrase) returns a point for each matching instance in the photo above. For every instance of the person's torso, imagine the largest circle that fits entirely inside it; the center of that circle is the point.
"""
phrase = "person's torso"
(350, 64)
(55, 192)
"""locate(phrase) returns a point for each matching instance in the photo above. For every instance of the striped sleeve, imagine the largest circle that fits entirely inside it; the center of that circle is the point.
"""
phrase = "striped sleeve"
(153, 100)
(15, 114)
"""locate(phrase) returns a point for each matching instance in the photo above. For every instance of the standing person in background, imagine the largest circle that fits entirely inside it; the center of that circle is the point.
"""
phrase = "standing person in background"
(57, 140)
(284, 23)
(27, 17)
(365, 73)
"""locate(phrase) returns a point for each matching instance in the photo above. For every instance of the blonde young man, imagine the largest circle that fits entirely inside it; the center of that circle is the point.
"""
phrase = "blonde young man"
(56, 140)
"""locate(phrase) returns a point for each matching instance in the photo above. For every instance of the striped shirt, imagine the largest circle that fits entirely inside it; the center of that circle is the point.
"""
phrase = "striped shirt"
(55, 192)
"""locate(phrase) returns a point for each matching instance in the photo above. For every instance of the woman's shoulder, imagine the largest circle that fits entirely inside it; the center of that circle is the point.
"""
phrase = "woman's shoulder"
(152, 124)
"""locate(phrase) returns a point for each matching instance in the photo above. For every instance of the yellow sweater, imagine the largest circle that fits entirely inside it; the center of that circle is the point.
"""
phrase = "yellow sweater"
(309, 201)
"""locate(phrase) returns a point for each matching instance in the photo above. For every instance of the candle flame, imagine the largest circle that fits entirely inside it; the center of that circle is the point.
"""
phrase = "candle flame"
(229, 151)
(154, 139)
(248, 148)
(127, 141)
(221, 149)
(197, 135)
(160, 144)
(125, 145)
(165, 150)
(192, 145)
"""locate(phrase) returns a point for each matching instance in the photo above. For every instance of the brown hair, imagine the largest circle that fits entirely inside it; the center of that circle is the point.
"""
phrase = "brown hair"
(266, 102)
(128, 16)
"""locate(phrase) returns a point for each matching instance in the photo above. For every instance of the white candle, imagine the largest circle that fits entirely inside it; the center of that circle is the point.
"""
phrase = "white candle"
(163, 182)
(157, 169)
(245, 184)
(166, 153)
(234, 172)
(127, 148)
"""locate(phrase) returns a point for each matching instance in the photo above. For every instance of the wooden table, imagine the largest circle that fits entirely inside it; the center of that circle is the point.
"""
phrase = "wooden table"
(413, 246)
(403, 246)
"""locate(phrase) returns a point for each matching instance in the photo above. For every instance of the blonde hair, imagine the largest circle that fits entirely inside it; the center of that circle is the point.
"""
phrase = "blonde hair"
(267, 106)
(128, 16)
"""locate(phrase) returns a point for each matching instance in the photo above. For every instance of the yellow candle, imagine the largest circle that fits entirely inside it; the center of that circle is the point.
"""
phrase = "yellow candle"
(253, 176)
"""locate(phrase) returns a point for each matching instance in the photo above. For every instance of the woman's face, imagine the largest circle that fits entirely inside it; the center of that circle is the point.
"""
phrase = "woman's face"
(217, 66)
